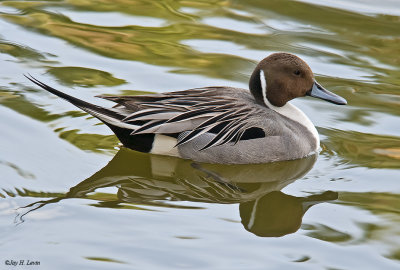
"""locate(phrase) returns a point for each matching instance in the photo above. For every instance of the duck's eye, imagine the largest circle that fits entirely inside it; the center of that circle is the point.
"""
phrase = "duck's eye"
(297, 72)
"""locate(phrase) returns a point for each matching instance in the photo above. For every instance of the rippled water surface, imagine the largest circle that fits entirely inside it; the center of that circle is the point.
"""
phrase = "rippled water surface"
(71, 199)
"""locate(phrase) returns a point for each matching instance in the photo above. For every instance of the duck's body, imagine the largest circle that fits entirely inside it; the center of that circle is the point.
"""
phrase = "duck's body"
(268, 135)
(218, 124)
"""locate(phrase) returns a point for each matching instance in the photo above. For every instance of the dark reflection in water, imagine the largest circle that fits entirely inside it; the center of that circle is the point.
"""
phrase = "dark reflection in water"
(277, 214)
(157, 181)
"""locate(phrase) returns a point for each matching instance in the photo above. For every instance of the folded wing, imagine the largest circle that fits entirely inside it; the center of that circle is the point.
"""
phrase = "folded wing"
(196, 111)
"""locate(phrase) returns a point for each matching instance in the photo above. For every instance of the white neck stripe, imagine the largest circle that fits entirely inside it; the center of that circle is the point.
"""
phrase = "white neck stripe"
(264, 87)
(288, 110)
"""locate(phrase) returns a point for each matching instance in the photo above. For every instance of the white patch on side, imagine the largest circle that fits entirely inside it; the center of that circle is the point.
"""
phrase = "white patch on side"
(164, 145)
(289, 110)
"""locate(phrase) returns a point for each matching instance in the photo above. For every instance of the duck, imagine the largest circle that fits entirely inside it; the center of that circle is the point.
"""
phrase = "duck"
(220, 124)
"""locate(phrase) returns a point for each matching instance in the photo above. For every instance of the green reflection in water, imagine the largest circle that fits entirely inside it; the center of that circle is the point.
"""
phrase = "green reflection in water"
(367, 43)
(85, 77)
(148, 180)
(92, 142)
(382, 204)
(20, 51)
(326, 233)
(16, 101)
(102, 259)
(162, 45)
(373, 201)
(367, 150)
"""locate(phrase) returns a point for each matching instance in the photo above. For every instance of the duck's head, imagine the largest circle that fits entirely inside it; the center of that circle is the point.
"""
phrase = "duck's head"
(281, 77)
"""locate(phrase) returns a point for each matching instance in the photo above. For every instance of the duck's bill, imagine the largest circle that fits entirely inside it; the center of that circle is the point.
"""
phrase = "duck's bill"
(318, 91)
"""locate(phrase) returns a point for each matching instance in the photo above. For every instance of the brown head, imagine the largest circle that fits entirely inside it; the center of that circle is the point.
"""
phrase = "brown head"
(281, 77)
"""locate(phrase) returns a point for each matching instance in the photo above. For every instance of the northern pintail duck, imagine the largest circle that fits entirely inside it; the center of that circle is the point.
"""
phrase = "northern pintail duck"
(220, 124)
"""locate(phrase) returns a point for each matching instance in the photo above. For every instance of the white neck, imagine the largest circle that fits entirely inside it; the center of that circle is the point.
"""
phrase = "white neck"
(289, 110)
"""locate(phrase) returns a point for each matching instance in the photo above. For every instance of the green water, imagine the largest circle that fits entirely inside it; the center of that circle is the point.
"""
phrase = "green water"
(71, 199)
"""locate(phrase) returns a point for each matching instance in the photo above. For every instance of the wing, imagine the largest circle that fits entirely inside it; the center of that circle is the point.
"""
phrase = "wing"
(191, 113)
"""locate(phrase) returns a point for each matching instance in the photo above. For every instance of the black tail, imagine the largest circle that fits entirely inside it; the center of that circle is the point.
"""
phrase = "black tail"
(97, 111)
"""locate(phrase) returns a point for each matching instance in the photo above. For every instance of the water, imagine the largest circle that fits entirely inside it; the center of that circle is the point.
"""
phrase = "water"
(72, 198)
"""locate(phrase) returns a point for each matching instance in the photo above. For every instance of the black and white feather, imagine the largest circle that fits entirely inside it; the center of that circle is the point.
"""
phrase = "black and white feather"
(198, 111)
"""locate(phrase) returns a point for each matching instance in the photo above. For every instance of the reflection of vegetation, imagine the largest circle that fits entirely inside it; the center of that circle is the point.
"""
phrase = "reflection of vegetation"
(364, 42)
(377, 203)
(84, 76)
(93, 142)
(383, 205)
(158, 46)
(325, 233)
(368, 150)
(102, 259)
(21, 105)
(6, 95)
(20, 51)
(355, 34)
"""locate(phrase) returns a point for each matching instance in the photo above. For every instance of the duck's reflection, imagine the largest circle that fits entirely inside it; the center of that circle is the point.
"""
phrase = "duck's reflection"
(155, 180)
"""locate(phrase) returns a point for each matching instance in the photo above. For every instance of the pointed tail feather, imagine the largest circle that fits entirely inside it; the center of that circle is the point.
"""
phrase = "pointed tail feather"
(107, 116)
